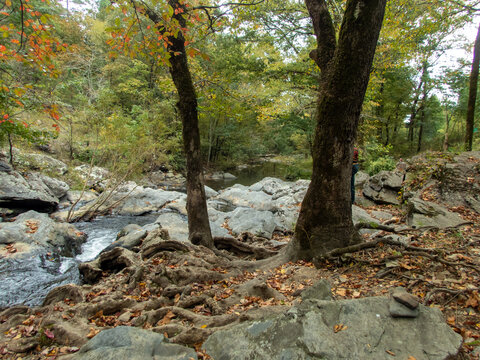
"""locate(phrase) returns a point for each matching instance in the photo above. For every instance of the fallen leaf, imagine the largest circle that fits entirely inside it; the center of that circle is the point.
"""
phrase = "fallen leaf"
(68, 349)
(390, 352)
(92, 333)
(339, 327)
(177, 298)
(167, 318)
(49, 334)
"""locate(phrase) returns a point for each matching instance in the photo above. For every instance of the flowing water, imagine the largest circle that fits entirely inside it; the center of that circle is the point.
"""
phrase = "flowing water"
(27, 280)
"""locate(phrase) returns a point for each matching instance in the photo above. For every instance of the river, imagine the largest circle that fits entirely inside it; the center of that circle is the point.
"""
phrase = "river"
(251, 174)
(28, 281)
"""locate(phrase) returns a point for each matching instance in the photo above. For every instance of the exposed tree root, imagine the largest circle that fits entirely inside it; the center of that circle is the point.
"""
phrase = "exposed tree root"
(242, 248)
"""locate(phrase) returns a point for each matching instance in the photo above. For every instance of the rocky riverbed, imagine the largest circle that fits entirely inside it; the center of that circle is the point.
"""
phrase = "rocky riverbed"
(152, 277)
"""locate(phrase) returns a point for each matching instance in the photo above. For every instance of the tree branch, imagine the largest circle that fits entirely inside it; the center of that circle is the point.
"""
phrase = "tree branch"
(203, 7)
(324, 31)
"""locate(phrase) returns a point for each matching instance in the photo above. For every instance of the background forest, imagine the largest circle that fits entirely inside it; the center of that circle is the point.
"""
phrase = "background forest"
(78, 78)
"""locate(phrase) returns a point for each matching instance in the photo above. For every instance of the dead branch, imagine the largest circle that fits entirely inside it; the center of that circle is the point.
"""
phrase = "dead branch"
(374, 243)
(432, 292)
(455, 265)
(374, 226)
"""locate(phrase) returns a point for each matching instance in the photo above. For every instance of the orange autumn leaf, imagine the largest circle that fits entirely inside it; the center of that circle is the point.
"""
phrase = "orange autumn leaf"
(92, 332)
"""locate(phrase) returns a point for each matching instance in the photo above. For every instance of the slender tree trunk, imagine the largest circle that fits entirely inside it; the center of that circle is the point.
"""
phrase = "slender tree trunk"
(198, 223)
(420, 136)
(70, 120)
(472, 94)
(380, 111)
(423, 119)
(447, 126)
(10, 148)
(325, 220)
(414, 111)
(387, 135)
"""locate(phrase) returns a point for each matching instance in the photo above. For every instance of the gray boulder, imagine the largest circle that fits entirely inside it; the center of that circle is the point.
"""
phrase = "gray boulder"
(30, 191)
(429, 214)
(361, 178)
(178, 205)
(286, 216)
(383, 188)
(129, 240)
(295, 191)
(209, 192)
(93, 176)
(220, 176)
(39, 230)
(176, 225)
(78, 195)
(228, 176)
(40, 162)
(359, 215)
(361, 329)
(270, 185)
(57, 187)
(459, 183)
(259, 223)
(130, 343)
(4, 167)
(240, 195)
(140, 200)
(214, 176)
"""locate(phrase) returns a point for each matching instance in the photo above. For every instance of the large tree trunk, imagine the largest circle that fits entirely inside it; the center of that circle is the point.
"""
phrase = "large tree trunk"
(198, 223)
(472, 94)
(325, 220)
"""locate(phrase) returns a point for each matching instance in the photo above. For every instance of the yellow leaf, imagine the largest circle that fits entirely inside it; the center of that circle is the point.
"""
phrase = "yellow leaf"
(203, 326)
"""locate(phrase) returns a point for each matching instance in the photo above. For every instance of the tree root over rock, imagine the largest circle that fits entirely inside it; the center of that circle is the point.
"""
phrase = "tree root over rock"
(242, 248)
(183, 291)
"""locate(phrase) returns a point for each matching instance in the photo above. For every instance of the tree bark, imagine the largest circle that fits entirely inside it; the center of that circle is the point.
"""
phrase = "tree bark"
(423, 118)
(472, 93)
(325, 220)
(198, 223)
(414, 112)
(447, 129)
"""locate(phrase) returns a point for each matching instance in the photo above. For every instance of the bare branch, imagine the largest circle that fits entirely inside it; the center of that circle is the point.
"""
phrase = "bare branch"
(203, 7)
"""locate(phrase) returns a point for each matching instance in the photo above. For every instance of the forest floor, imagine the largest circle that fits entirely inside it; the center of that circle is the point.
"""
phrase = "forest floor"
(441, 268)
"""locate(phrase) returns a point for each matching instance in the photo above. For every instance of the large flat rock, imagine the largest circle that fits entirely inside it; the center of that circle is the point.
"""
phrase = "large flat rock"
(129, 343)
(360, 329)
(30, 191)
